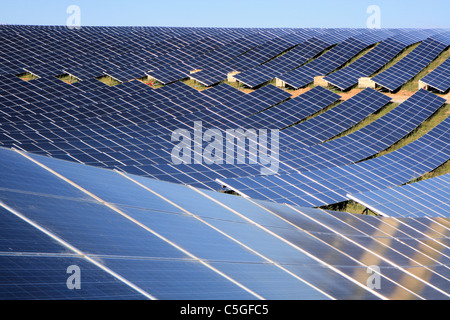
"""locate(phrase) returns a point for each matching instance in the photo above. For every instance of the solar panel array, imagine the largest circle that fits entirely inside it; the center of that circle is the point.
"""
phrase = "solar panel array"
(428, 198)
(373, 60)
(323, 187)
(409, 66)
(340, 119)
(165, 242)
(438, 78)
(169, 53)
(284, 63)
(330, 61)
(367, 141)
(153, 229)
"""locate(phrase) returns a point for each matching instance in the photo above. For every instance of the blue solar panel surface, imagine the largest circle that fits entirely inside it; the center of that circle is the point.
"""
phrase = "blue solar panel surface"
(136, 237)
(328, 186)
(397, 75)
(259, 243)
(438, 78)
(428, 198)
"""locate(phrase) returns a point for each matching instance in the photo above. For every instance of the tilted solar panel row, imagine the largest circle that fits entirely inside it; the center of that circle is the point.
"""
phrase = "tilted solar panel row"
(324, 64)
(354, 147)
(439, 77)
(366, 65)
(405, 69)
(328, 186)
(172, 253)
(427, 198)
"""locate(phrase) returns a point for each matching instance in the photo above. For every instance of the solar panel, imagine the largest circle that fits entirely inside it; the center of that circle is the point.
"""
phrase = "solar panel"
(366, 65)
(44, 277)
(428, 198)
(169, 74)
(139, 238)
(288, 251)
(271, 69)
(324, 64)
(328, 186)
(395, 76)
(438, 78)
(270, 94)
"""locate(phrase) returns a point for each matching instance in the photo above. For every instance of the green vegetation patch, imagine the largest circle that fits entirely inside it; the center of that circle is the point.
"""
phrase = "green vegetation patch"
(27, 76)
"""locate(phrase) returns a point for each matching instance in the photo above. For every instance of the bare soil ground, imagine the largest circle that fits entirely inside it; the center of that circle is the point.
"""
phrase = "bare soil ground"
(398, 97)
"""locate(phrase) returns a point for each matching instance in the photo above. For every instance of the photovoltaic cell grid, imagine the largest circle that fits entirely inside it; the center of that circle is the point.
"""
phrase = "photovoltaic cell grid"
(327, 62)
(301, 106)
(354, 147)
(93, 96)
(253, 73)
(212, 74)
(290, 60)
(333, 121)
(62, 139)
(170, 53)
(367, 141)
(366, 65)
(228, 95)
(202, 175)
(165, 242)
(91, 103)
(428, 198)
(312, 132)
(439, 77)
(92, 113)
(266, 51)
(328, 186)
(133, 51)
(315, 130)
(405, 69)
(270, 70)
(217, 70)
(100, 149)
